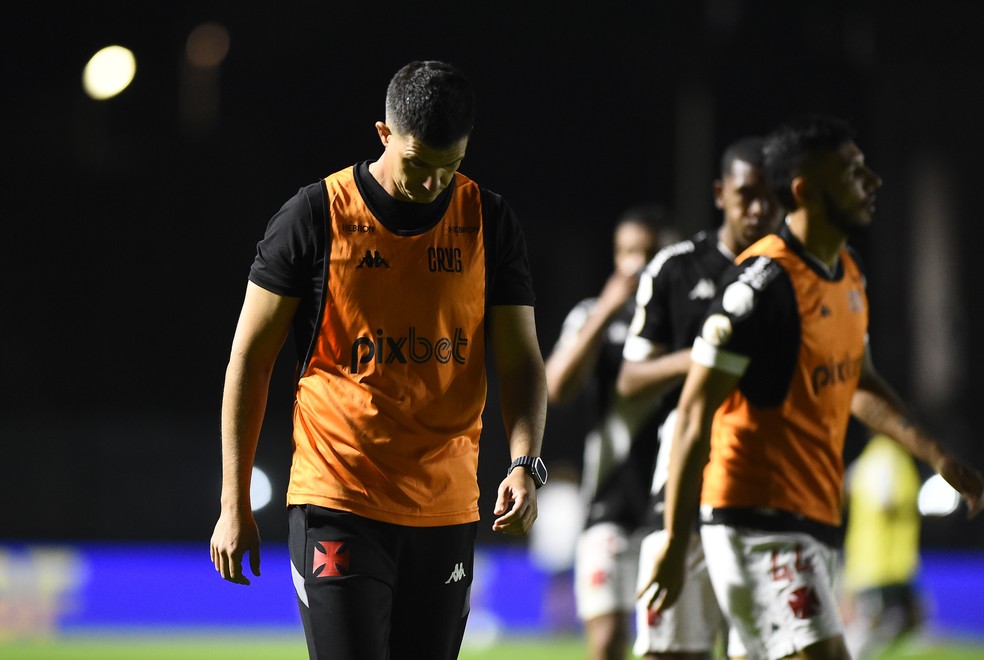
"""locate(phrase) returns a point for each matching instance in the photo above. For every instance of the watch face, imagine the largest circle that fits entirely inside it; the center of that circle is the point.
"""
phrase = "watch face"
(534, 465)
(540, 470)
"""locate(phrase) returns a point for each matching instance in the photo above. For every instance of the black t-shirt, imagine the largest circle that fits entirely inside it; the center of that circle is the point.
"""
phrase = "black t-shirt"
(290, 260)
(674, 292)
(620, 446)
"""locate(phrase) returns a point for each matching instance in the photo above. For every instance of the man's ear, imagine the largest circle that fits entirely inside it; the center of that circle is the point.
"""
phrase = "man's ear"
(718, 189)
(384, 132)
(801, 190)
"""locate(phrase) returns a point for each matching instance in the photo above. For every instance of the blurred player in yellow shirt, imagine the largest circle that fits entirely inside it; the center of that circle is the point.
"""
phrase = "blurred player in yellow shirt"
(881, 548)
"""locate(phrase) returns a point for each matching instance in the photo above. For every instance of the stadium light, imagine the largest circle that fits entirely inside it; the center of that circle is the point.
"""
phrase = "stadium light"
(937, 497)
(109, 72)
(260, 489)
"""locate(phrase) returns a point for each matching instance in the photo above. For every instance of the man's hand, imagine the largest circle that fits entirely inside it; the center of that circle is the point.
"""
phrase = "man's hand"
(966, 480)
(519, 491)
(235, 534)
(617, 290)
(666, 580)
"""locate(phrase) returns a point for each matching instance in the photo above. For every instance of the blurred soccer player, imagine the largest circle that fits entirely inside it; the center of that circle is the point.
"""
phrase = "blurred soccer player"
(781, 362)
(617, 457)
(676, 288)
(881, 548)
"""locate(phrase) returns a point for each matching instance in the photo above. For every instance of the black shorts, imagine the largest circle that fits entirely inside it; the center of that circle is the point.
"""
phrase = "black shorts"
(369, 590)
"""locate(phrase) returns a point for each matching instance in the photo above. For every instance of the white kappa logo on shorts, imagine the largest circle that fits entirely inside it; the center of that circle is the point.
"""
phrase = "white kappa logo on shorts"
(457, 574)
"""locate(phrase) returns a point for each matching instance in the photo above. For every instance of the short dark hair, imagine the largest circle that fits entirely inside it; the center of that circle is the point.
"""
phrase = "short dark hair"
(747, 149)
(794, 143)
(431, 101)
(653, 216)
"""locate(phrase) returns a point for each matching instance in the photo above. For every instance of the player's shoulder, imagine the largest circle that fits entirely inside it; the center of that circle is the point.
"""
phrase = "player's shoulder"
(675, 253)
(746, 284)
(585, 306)
(579, 314)
(758, 271)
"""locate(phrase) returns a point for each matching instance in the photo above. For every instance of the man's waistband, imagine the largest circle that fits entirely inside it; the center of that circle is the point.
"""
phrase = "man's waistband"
(773, 520)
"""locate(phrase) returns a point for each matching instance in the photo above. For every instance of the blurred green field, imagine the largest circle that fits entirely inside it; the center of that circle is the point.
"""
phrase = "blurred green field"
(290, 647)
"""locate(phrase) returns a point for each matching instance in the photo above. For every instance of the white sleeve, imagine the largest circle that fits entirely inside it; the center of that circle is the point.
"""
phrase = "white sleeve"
(711, 356)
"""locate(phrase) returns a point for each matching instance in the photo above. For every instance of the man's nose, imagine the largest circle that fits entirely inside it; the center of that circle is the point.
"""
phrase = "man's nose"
(435, 180)
(874, 181)
(758, 208)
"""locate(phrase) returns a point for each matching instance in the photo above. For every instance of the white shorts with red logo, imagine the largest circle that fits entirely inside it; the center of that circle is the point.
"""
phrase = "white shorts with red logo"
(694, 623)
(775, 588)
(605, 565)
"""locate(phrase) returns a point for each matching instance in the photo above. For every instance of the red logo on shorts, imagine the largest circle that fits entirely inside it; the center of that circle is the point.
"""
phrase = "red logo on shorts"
(653, 618)
(804, 603)
(331, 559)
(598, 578)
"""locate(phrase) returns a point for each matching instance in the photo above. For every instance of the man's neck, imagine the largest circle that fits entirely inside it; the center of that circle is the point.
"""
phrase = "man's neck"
(378, 172)
(819, 239)
(726, 243)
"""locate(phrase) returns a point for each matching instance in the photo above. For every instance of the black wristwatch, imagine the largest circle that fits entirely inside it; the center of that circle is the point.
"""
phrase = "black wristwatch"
(532, 464)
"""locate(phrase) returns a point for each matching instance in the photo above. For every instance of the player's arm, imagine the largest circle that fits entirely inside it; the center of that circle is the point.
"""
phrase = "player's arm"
(654, 375)
(264, 323)
(523, 393)
(704, 389)
(573, 360)
(648, 367)
(880, 407)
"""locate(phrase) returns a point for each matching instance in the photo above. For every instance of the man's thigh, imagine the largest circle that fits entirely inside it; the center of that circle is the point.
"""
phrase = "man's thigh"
(694, 623)
(343, 569)
(605, 564)
(369, 590)
(432, 593)
(776, 589)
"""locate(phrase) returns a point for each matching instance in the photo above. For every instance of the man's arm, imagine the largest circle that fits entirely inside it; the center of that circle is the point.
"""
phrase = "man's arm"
(523, 392)
(263, 326)
(649, 369)
(880, 407)
(572, 362)
(703, 391)
(655, 375)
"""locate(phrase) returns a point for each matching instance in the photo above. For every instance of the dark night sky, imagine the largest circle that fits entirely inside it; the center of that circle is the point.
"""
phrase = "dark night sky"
(130, 235)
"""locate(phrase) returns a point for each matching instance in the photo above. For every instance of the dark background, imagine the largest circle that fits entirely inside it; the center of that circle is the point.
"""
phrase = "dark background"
(129, 225)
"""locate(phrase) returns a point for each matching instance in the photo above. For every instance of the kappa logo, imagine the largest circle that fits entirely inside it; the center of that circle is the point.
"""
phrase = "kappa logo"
(457, 573)
(373, 260)
(703, 290)
(331, 559)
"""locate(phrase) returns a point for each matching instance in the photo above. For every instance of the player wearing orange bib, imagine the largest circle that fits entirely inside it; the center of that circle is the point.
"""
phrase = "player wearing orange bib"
(389, 401)
(392, 273)
(674, 293)
(781, 363)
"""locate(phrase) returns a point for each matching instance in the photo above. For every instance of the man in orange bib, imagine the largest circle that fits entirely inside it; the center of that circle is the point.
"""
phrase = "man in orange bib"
(392, 274)
(782, 361)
